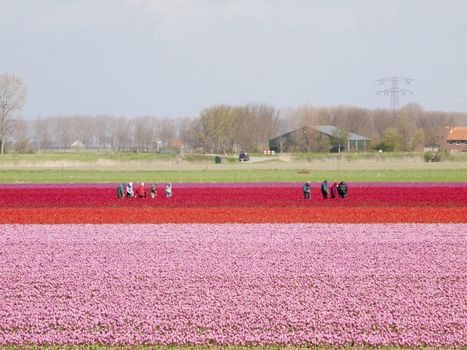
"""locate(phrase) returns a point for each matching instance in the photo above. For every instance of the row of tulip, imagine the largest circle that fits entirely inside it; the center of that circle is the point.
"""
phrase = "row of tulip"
(314, 284)
(232, 215)
(234, 196)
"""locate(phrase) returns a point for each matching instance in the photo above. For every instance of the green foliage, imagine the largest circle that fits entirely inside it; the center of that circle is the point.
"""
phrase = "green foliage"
(444, 156)
(418, 138)
(226, 129)
(431, 156)
(391, 140)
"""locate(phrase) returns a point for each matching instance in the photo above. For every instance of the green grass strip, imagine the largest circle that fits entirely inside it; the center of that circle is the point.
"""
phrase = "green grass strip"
(214, 176)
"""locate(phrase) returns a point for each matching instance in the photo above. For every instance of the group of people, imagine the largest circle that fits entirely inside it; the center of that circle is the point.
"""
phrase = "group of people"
(129, 191)
(335, 191)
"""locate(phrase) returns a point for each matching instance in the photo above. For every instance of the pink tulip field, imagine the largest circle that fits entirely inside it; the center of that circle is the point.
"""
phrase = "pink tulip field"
(387, 284)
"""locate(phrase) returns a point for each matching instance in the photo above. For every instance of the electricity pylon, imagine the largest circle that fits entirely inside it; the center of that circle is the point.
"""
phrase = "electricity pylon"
(394, 91)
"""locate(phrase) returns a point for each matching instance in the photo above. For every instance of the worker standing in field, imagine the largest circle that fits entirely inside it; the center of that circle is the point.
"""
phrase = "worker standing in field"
(141, 191)
(168, 190)
(342, 189)
(325, 189)
(129, 190)
(121, 191)
(153, 190)
(307, 190)
(334, 190)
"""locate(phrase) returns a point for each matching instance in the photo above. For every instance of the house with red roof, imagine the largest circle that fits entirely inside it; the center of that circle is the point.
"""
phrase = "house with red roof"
(456, 139)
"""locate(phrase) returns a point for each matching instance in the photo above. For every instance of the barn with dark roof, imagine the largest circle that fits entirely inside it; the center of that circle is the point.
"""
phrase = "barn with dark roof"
(320, 138)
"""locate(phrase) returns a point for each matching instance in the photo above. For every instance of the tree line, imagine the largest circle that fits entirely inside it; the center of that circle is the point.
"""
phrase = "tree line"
(217, 129)
(226, 129)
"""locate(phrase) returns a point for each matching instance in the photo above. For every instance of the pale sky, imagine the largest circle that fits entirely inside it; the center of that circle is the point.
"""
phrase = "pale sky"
(171, 58)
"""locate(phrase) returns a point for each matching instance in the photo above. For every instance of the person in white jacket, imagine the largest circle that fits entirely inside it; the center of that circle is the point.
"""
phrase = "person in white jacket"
(129, 190)
(168, 190)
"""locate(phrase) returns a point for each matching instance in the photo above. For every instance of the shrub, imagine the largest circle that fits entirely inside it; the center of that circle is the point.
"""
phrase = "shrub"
(431, 156)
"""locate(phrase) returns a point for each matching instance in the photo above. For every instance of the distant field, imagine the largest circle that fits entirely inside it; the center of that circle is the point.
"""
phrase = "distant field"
(85, 156)
(95, 166)
(94, 156)
(242, 175)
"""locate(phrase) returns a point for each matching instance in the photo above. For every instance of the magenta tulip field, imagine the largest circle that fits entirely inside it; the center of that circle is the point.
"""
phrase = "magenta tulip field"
(252, 284)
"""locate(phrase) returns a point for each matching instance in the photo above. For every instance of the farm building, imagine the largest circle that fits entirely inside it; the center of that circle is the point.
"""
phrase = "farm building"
(77, 145)
(321, 138)
(456, 139)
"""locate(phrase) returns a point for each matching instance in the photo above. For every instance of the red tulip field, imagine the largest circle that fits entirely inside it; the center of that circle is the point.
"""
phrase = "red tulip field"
(244, 203)
(234, 265)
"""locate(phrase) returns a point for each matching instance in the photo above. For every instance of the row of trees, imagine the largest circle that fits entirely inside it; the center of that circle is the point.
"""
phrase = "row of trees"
(103, 132)
(218, 129)
(226, 129)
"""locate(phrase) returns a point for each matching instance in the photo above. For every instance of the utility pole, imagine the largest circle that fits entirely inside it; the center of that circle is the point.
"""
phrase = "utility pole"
(394, 91)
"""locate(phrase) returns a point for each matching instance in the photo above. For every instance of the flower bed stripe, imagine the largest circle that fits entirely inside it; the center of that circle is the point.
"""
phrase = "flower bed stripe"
(236, 197)
(235, 215)
(328, 285)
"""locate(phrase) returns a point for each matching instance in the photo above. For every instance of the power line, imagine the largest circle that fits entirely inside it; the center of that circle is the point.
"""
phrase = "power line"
(394, 91)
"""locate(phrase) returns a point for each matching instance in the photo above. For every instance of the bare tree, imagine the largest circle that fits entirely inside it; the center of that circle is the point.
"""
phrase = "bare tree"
(43, 133)
(254, 125)
(405, 122)
(167, 132)
(143, 133)
(63, 131)
(12, 99)
(196, 138)
(102, 127)
(184, 129)
(306, 139)
(84, 129)
(122, 134)
(20, 134)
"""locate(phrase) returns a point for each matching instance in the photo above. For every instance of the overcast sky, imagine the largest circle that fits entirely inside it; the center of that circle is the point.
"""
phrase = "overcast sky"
(172, 58)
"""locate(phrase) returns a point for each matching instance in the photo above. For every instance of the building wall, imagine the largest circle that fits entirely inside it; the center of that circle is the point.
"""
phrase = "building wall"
(456, 145)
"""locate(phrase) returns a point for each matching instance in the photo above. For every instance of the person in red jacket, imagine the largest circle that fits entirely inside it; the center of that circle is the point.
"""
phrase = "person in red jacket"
(334, 190)
(141, 191)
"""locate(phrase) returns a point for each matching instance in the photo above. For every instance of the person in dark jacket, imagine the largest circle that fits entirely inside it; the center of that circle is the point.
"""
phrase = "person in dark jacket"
(334, 190)
(325, 189)
(153, 190)
(121, 191)
(307, 190)
(342, 189)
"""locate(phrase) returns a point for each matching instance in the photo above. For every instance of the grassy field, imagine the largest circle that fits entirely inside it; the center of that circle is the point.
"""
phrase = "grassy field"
(99, 166)
(242, 175)
(93, 156)
(86, 156)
